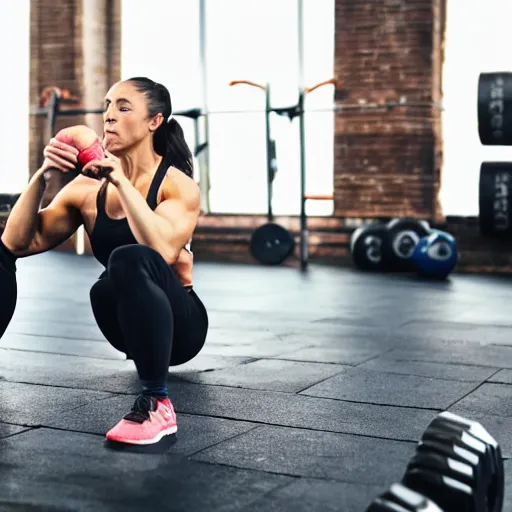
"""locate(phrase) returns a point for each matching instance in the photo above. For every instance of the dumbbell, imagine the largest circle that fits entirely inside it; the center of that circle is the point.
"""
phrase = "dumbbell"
(435, 255)
(458, 465)
(403, 237)
(367, 247)
(402, 499)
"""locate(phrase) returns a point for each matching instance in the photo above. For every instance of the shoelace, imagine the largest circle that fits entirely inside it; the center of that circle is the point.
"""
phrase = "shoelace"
(140, 410)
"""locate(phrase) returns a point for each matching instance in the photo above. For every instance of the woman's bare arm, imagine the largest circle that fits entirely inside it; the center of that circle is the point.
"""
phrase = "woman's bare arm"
(32, 231)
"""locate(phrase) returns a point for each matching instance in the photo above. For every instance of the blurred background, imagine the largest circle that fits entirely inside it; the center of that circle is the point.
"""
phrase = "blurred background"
(397, 135)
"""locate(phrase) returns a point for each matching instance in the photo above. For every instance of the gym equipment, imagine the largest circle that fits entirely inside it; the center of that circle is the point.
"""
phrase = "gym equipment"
(85, 140)
(458, 465)
(435, 255)
(367, 247)
(402, 499)
(270, 244)
(304, 240)
(493, 451)
(457, 444)
(292, 112)
(403, 235)
(495, 188)
(451, 484)
(273, 251)
(495, 109)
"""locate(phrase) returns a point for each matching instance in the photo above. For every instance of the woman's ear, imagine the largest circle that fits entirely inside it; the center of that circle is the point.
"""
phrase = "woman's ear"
(156, 122)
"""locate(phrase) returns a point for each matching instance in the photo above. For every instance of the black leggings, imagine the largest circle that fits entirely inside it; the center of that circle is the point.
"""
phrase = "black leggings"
(140, 306)
(8, 287)
(144, 311)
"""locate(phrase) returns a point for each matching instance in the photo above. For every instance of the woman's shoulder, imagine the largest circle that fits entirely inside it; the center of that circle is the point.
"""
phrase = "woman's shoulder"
(178, 184)
(81, 189)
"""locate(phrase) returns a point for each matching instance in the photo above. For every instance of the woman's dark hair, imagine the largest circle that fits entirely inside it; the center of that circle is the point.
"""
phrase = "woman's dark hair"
(169, 139)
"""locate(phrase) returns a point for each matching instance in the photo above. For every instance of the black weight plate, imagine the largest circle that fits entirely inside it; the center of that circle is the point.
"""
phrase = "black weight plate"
(495, 208)
(495, 109)
(367, 246)
(404, 235)
(271, 244)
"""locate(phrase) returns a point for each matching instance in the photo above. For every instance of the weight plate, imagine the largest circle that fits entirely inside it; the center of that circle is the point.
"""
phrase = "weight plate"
(271, 244)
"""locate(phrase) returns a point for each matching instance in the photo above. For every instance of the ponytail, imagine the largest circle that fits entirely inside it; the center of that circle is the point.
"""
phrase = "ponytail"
(169, 142)
(169, 139)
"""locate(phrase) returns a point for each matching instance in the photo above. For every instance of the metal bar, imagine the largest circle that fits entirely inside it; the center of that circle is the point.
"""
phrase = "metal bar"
(300, 41)
(268, 143)
(192, 113)
(204, 161)
(319, 197)
(303, 221)
(336, 108)
(196, 135)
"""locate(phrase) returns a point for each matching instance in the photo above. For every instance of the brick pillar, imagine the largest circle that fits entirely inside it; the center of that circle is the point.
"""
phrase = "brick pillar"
(101, 53)
(388, 158)
(74, 45)
(55, 59)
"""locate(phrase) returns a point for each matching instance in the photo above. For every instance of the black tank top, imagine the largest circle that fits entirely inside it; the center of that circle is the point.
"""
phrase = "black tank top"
(109, 233)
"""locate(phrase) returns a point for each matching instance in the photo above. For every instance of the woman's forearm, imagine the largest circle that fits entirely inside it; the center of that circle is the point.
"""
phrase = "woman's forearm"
(147, 227)
(21, 225)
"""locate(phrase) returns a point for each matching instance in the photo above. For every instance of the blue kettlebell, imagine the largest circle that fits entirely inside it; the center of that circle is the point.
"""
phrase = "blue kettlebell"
(435, 255)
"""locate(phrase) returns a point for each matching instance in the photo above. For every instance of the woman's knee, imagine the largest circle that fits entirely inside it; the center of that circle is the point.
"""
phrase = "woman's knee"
(126, 260)
(129, 254)
(129, 261)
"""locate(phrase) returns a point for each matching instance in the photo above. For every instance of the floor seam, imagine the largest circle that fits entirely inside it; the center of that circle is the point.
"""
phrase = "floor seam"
(260, 424)
(256, 427)
(59, 354)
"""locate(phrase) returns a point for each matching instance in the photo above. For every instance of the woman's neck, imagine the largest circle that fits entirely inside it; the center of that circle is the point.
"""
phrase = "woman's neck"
(140, 161)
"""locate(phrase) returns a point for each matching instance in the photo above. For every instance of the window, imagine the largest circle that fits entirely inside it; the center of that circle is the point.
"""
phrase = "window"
(252, 40)
(477, 40)
(15, 63)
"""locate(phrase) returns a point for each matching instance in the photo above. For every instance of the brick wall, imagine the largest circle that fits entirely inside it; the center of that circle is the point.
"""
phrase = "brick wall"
(387, 159)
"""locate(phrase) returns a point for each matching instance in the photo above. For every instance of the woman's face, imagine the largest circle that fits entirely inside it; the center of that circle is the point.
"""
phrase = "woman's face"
(125, 119)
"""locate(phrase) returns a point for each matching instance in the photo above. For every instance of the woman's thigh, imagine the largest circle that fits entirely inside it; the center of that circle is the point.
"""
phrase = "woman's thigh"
(190, 319)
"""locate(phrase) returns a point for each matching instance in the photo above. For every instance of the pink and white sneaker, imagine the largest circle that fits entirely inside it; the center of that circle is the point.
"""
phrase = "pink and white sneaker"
(149, 420)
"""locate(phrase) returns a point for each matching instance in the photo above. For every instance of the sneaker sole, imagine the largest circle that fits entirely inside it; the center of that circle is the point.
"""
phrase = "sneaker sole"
(167, 432)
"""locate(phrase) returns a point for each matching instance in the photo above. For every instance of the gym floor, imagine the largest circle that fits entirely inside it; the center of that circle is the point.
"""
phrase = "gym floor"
(310, 394)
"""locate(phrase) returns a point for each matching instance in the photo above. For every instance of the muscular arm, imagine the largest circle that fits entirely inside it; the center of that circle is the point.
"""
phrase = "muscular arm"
(170, 226)
(32, 231)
